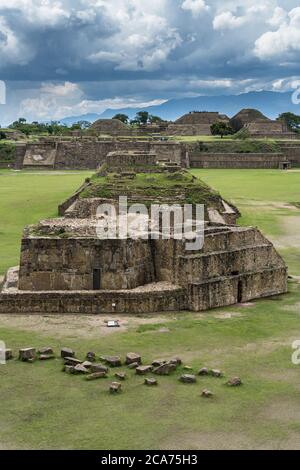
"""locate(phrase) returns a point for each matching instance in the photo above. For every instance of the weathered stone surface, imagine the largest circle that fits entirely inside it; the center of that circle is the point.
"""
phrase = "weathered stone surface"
(27, 355)
(234, 382)
(207, 393)
(158, 362)
(69, 369)
(67, 352)
(204, 371)
(216, 373)
(87, 364)
(46, 351)
(151, 382)
(113, 361)
(46, 357)
(115, 387)
(99, 368)
(176, 360)
(96, 375)
(165, 369)
(142, 370)
(79, 369)
(91, 356)
(72, 361)
(134, 365)
(188, 379)
(121, 375)
(132, 358)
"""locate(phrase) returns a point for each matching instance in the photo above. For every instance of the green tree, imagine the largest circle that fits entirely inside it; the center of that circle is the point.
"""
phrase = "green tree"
(154, 119)
(221, 128)
(142, 117)
(292, 120)
(122, 117)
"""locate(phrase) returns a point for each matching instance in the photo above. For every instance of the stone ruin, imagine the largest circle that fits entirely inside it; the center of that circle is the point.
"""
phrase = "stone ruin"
(199, 123)
(259, 126)
(66, 268)
(196, 123)
(109, 127)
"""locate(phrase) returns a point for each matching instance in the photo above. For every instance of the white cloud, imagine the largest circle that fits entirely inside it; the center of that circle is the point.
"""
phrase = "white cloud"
(279, 16)
(285, 40)
(48, 107)
(195, 6)
(226, 20)
(66, 89)
(220, 83)
(41, 12)
(286, 84)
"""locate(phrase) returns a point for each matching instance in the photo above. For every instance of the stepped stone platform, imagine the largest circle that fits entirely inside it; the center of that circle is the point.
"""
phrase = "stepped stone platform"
(66, 268)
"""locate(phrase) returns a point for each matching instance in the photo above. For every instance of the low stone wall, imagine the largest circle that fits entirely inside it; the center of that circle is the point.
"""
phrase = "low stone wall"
(235, 160)
(292, 153)
(133, 302)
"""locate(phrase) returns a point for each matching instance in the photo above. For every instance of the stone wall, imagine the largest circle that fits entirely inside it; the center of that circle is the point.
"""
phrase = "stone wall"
(292, 153)
(68, 264)
(235, 160)
(90, 154)
(188, 129)
(132, 159)
(133, 302)
(40, 155)
(235, 289)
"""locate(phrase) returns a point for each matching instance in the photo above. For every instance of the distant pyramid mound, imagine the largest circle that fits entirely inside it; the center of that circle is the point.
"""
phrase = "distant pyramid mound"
(110, 127)
(246, 116)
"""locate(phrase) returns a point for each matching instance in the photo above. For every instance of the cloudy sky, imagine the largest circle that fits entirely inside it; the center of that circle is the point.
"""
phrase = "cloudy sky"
(71, 57)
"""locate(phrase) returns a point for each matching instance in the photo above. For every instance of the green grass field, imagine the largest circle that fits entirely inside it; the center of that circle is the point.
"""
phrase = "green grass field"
(46, 409)
(25, 198)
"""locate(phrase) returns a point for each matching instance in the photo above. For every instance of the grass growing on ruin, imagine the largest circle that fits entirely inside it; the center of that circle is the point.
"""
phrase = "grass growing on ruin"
(45, 408)
(152, 186)
(25, 198)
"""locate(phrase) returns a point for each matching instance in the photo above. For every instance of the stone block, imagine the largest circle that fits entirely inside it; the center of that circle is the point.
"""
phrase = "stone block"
(132, 358)
(27, 355)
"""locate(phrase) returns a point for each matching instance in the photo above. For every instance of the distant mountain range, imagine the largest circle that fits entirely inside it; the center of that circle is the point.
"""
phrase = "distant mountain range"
(269, 103)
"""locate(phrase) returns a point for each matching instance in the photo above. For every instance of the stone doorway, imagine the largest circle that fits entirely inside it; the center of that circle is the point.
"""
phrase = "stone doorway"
(97, 279)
